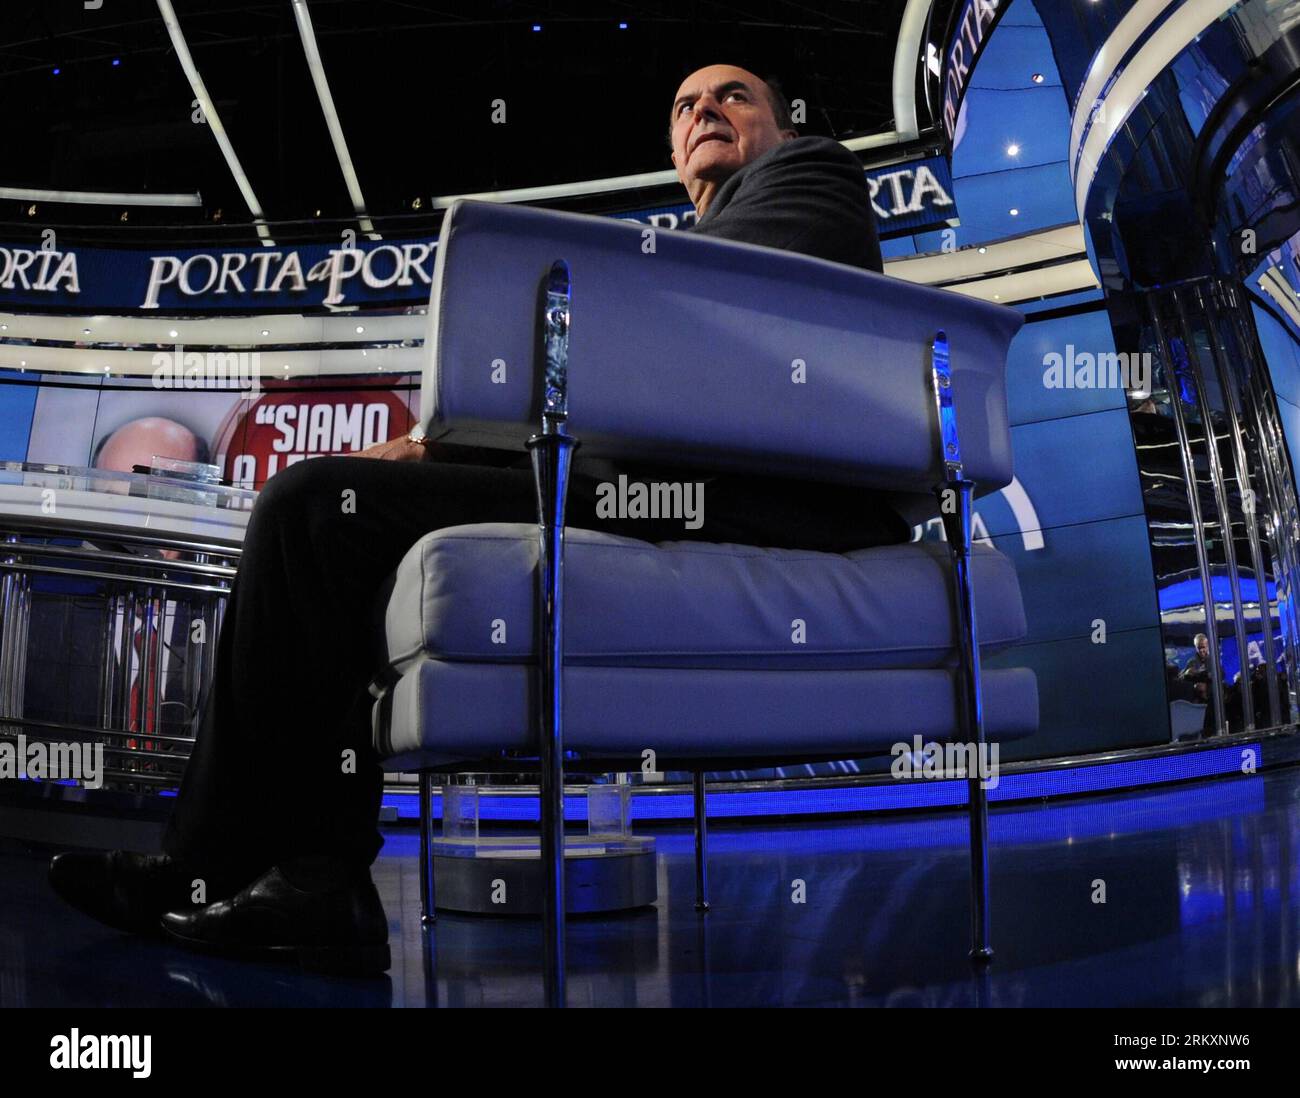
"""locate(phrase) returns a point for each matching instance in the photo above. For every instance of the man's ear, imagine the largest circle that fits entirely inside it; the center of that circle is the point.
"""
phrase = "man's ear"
(789, 135)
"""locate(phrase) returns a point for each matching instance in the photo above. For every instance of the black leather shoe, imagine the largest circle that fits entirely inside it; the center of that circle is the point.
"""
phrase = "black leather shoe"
(341, 929)
(127, 891)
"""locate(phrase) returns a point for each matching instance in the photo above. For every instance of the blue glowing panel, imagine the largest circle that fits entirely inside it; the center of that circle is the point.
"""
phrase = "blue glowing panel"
(1033, 119)
(1290, 416)
(1061, 301)
(1028, 397)
(17, 406)
(1042, 194)
(1078, 469)
(1093, 697)
(646, 807)
(1012, 57)
(1282, 353)
(1084, 572)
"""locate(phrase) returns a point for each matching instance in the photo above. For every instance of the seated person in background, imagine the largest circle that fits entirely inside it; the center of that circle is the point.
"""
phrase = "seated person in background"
(277, 815)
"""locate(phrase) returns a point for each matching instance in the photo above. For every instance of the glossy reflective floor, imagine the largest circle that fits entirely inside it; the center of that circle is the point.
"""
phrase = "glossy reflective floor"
(1202, 908)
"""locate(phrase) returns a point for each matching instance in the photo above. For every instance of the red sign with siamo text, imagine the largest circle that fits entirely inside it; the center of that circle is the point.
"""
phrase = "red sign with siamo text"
(260, 436)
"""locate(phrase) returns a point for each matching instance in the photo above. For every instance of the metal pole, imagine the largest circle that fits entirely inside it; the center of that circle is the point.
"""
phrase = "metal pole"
(1218, 482)
(428, 904)
(701, 844)
(1231, 383)
(1215, 698)
(551, 455)
(954, 494)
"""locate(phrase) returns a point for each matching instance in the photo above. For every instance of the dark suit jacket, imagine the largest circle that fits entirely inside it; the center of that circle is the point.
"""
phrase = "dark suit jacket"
(808, 195)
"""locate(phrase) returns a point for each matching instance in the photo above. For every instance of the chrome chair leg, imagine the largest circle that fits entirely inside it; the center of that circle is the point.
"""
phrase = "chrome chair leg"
(551, 453)
(428, 906)
(701, 844)
(954, 494)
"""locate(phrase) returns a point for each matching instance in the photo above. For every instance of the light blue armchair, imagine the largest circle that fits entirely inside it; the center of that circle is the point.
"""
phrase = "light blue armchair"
(551, 330)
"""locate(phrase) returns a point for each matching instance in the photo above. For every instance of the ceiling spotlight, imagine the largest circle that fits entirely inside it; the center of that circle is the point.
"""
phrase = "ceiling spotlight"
(172, 334)
(983, 250)
(4, 327)
(996, 297)
(1037, 78)
(85, 331)
(360, 329)
(318, 213)
(1013, 149)
(536, 28)
(116, 61)
(266, 331)
(622, 26)
(1015, 212)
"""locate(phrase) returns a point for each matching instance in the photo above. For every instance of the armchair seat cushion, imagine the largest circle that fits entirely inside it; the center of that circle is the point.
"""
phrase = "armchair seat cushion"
(443, 712)
(466, 594)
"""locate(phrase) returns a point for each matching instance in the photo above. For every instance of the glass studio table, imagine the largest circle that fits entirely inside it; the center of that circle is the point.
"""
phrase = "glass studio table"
(112, 590)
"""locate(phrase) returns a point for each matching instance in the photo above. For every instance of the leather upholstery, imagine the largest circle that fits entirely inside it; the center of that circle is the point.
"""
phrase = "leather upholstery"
(688, 353)
(467, 593)
(441, 711)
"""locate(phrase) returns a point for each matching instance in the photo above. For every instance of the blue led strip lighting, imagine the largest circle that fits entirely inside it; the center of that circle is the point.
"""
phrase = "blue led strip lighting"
(900, 796)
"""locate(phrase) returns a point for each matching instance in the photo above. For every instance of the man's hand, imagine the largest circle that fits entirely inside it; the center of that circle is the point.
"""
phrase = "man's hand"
(395, 449)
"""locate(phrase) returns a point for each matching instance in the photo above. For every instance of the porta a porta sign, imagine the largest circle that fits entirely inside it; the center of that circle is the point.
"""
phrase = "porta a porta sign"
(977, 19)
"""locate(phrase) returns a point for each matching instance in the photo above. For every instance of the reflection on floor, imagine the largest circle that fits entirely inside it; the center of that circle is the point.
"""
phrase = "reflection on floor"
(1202, 908)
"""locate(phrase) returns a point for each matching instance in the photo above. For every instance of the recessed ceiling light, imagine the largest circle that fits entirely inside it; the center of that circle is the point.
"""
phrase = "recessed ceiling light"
(1013, 149)
(4, 327)
(360, 329)
(1037, 78)
(983, 250)
(1015, 212)
(266, 331)
(172, 334)
(85, 331)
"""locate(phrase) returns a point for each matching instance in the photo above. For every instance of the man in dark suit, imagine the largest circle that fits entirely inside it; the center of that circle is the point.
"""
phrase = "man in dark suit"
(275, 827)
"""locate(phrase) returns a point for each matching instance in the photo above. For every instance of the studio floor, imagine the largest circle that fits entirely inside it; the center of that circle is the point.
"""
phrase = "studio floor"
(1201, 888)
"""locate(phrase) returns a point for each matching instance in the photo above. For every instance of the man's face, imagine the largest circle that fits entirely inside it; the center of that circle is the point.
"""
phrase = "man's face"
(721, 120)
(1202, 646)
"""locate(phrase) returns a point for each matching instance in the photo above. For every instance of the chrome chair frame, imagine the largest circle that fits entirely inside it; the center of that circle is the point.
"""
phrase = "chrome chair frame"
(551, 451)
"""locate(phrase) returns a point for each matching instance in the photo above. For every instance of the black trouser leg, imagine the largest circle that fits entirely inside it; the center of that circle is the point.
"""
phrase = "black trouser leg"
(283, 764)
